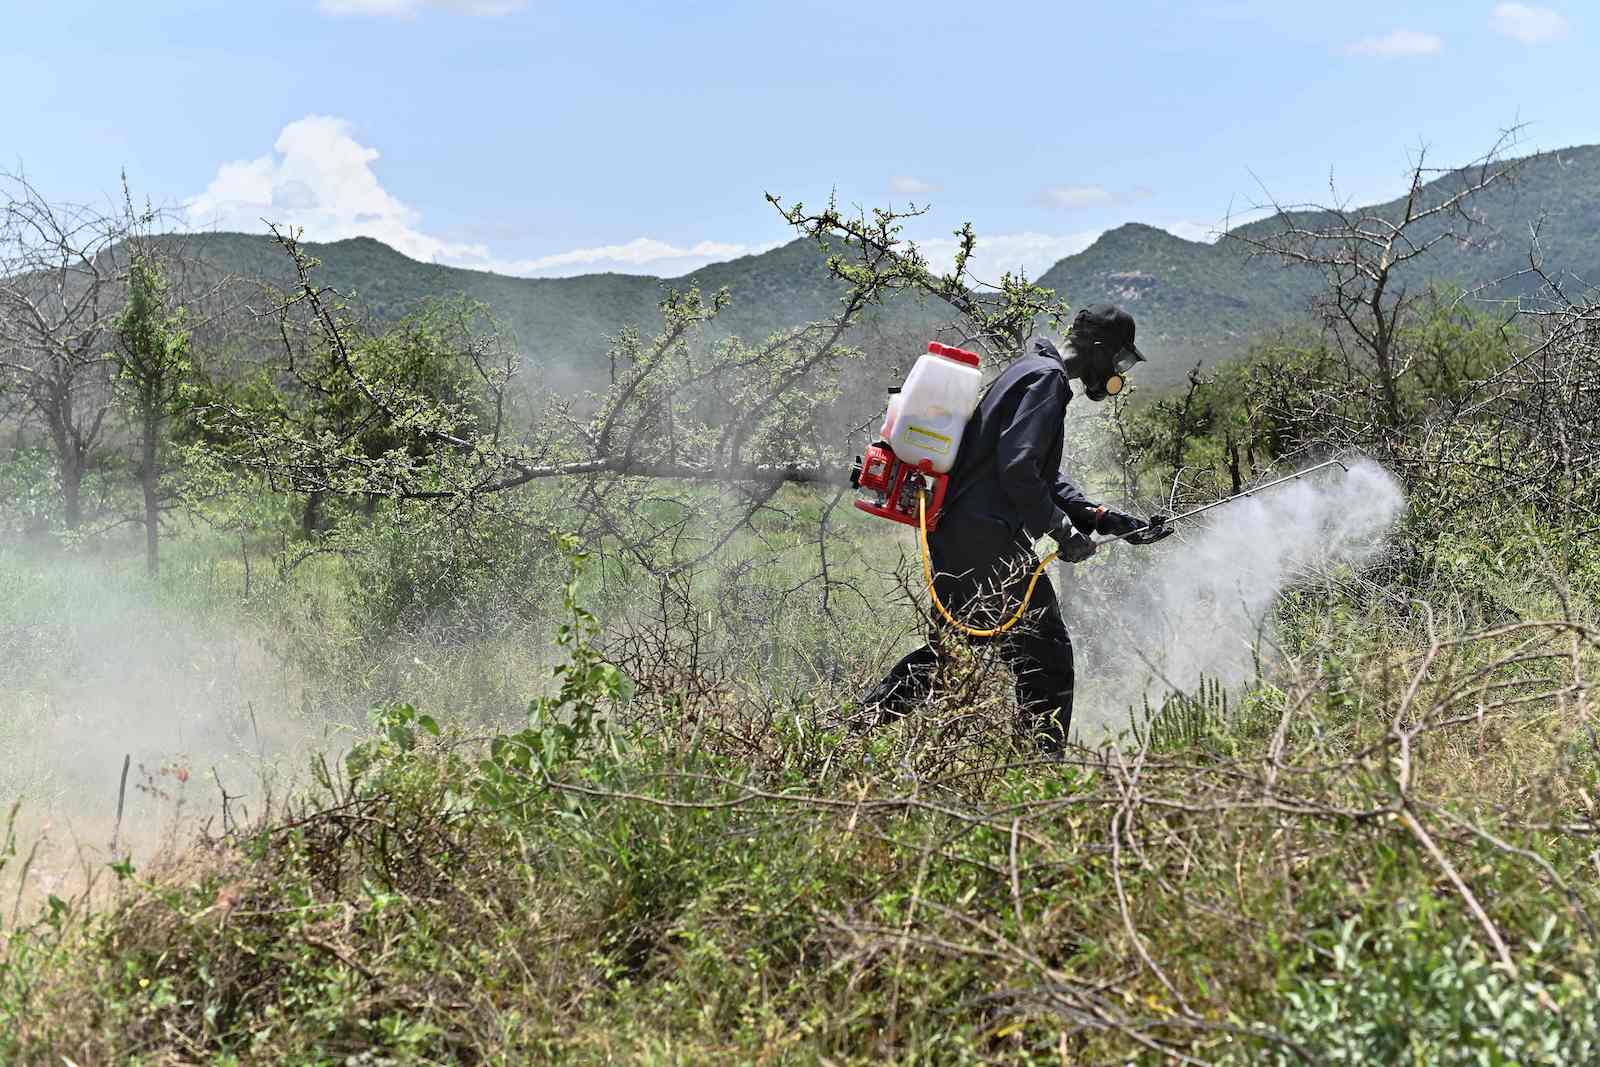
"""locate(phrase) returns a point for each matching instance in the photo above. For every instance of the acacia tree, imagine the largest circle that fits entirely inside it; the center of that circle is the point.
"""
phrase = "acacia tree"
(1542, 411)
(63, 271)
(151, 358)
(1368, 258)
(679, 416)
(444, 356)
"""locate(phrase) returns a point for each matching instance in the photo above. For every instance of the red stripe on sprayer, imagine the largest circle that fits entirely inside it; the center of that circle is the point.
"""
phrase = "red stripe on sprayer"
(960, 355)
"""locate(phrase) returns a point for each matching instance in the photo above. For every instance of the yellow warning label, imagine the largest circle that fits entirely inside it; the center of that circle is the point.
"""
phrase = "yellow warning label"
(928, 439)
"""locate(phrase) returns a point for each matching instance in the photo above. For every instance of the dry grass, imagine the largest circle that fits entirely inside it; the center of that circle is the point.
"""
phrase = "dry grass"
(735, 878)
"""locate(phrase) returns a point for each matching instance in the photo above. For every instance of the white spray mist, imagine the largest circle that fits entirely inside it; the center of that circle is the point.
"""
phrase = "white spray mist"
(1200, 603)
(94, 668)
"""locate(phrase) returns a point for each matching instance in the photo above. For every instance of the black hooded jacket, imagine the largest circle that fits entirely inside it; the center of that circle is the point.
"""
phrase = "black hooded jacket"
(1006, 486)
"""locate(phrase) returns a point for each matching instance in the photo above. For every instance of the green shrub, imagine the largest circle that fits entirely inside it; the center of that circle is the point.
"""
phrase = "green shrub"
(413, 571)
(1401, 993)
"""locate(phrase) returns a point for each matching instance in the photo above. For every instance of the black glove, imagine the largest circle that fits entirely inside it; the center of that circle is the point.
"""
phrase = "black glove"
(1072, 546)
(1132, 530)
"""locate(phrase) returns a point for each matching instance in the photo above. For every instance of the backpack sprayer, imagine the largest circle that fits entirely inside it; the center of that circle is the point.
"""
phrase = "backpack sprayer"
(920, 437)
(917, 445)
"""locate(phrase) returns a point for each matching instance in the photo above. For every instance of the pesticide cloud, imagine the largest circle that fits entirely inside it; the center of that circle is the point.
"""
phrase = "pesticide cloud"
(1198, 605)
(94, 669)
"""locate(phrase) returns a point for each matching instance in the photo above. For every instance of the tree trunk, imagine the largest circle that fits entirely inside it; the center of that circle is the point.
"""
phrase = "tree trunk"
(311, 517)
(150, 477)
(72, 490)
(1383, 331)
(69, 458)
(244, 553)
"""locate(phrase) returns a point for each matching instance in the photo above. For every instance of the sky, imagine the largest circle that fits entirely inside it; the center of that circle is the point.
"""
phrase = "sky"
(546, 138)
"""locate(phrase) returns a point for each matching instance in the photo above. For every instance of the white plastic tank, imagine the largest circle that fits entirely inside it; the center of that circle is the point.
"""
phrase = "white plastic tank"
(890, 415)
(928, 416)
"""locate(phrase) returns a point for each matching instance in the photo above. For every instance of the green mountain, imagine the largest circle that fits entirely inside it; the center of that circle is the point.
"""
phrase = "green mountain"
(1194, 301)
(561, 325)
(1198, 301)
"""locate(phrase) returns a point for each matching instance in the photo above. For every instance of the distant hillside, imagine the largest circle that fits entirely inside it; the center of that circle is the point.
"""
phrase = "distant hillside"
(1198, 301)
(560, 324)
(1194, 301)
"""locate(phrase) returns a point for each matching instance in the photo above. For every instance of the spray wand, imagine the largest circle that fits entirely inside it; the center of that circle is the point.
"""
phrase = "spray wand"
(1033, 580)
(1191, 513)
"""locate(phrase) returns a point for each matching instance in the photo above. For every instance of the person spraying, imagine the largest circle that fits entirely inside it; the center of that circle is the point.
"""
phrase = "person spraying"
(981, 515)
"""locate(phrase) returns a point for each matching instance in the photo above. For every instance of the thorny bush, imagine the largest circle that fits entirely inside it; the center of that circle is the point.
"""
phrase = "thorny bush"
(1386, 843)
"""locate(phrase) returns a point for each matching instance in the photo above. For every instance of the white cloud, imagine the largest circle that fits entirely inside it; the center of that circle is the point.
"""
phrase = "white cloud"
(1528, 25)
(997, 253)
(406, 9)
(902, 185)
(1400, 44)
(1074, 196)
(642, 255)
(319, 178)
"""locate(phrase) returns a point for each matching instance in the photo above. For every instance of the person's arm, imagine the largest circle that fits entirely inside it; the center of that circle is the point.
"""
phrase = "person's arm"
(1091, 518)
(1070, 499)
(1021, 454)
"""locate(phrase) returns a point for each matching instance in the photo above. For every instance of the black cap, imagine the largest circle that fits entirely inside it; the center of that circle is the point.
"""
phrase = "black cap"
(1106, 324)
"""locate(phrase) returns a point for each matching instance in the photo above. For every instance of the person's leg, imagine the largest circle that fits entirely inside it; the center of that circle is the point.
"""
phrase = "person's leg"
(905, 686)
(1039, 653)
(911, 680)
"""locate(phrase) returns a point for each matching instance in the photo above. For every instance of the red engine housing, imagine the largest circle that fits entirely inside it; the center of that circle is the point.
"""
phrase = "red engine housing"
(891, 486)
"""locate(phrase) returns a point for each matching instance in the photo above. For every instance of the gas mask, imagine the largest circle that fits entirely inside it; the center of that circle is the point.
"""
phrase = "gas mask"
(1103, 349)
(1102, 366)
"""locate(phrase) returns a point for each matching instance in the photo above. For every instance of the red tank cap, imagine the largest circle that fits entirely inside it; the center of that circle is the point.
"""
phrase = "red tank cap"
(960, 355)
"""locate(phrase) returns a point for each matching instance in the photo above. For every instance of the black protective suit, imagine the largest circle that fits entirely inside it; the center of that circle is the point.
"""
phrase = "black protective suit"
(1006, 491)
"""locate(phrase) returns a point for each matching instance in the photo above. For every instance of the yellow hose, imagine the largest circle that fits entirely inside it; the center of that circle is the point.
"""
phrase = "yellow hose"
(927, 572)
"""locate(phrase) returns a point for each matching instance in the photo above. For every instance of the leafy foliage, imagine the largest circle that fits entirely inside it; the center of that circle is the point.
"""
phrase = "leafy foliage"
(154, 374)
(1394, 994)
